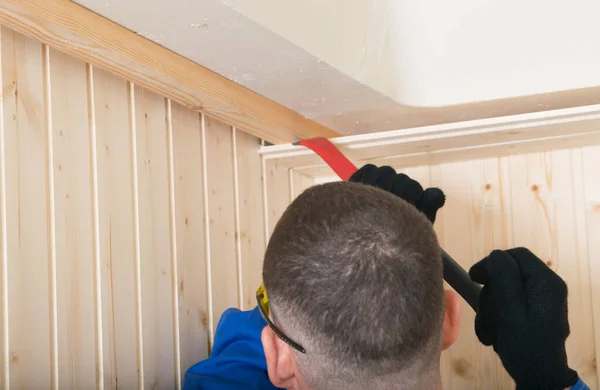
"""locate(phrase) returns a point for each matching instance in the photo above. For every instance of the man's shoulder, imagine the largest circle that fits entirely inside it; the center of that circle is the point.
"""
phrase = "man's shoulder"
(237, 360)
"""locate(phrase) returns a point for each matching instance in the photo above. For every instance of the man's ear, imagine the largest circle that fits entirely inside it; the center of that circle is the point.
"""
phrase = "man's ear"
(281, 364)
(451, 318)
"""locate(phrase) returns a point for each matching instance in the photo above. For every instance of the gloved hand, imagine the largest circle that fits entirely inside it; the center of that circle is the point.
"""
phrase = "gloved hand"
(523, 314)
(428, 202)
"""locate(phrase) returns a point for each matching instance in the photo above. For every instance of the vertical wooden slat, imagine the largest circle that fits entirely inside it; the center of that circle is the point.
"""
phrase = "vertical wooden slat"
(153, 179)
(467, 361)
(136, 238)
(74, 248)
(173, 246)
(299, 183)
(251, 216)
(571, 256)
(95, 226)
(25, 151)
(278, 192)
(221, 217)
(54, 379)
(236, 210)
(265, 200)
(117, 230)
(583, 268)
(291, 185)
(590, 199)
(207, 241)
(4, 321)
(189, 207)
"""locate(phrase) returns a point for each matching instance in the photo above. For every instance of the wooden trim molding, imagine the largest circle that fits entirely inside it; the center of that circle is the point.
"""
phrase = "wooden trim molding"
(515, 134)
(81, 33)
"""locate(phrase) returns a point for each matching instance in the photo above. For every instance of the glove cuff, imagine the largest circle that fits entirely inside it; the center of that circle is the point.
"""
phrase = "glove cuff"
(556, 381)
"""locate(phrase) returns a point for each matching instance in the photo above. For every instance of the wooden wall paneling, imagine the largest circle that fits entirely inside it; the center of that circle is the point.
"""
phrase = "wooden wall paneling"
(117, 235)
(99, 336)
(278, 192)
(491, 229)
(4, 298)
(590, 200)
(546, 221)
(222, 219)
(572, 258)
(26, 217)
(51, 217)
(173, 251)
(299, 182)
(74, 246)
(584, 269)
(251, 230)
(470, 366)
(190, 228)
(157, 300)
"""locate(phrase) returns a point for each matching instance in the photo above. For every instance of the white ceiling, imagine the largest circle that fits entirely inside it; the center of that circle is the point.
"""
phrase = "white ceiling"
(440, 53)
(360, 66)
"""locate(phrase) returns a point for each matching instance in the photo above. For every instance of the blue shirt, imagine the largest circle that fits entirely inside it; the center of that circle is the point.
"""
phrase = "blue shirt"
(237, 360)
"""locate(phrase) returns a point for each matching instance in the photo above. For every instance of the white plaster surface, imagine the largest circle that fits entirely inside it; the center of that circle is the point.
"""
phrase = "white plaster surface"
(439, 53)
(359, 66)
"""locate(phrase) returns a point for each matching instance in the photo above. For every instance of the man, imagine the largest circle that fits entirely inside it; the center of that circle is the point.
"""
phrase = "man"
(353, 275)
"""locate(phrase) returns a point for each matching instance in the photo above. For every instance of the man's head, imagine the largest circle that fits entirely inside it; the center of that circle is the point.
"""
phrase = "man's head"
(354, 275)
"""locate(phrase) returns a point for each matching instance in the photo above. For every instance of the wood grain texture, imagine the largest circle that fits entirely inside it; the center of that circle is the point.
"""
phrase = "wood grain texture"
(123, 171)
(590, 200)
(251, 216)
(299, 183)
(157, 304)
(4, 298)
(73, 227)
(278, 194)
(83, 34)
(116, 229)
(222, 219)
(27, 245)
(189, 209)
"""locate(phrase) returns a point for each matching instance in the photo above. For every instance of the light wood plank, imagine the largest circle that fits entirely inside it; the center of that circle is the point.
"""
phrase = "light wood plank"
(116, 229)
(51, 218)
(157, 305)
(278, 192)
(83, 34)
(590, 200)
(73, 213)
(251, 215)
(299, 183)
(221, 214)
(545, 221)
(189, 200)
(470, 365)
(95, 224)
(571, 259)
(4, 298)
(24, 125)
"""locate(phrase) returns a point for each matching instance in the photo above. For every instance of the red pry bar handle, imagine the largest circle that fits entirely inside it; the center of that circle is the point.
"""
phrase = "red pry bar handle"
(454, 274)
(331, 155)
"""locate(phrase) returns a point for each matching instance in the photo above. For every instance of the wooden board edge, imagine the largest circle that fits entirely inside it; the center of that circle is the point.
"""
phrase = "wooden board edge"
(81, 33)
(461, 140)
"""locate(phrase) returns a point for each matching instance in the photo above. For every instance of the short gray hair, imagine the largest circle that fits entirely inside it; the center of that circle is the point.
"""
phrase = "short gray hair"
(354, 274)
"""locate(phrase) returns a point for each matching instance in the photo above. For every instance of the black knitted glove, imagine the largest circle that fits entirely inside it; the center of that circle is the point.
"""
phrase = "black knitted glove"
(428, 202)
(523, 314)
